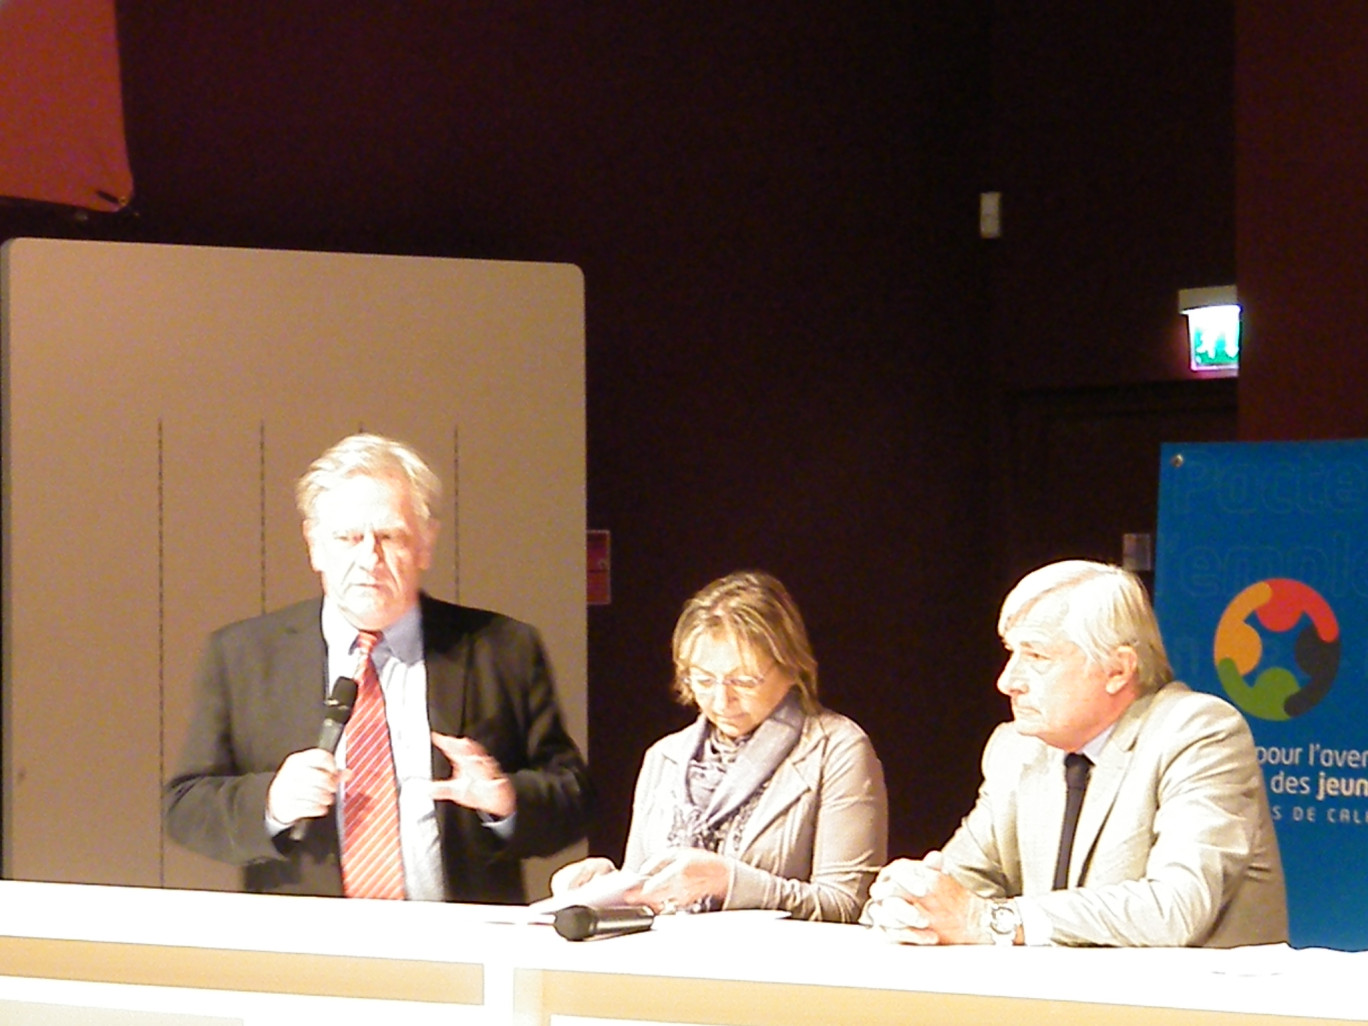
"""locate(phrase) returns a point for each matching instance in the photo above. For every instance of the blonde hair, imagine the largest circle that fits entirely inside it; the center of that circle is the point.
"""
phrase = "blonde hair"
(1105, 608)
(755, 612)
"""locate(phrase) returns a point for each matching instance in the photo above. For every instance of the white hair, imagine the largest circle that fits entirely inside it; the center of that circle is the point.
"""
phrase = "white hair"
(1105, 608)
(369, 456)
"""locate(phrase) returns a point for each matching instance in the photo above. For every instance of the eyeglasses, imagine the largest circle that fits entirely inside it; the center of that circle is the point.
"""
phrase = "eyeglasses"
(702, 683)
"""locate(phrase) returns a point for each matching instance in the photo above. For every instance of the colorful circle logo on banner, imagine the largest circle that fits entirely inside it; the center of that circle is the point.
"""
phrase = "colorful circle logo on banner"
(1267, 626)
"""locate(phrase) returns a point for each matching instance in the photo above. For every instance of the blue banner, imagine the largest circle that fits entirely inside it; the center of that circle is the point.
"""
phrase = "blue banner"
(1261, 587)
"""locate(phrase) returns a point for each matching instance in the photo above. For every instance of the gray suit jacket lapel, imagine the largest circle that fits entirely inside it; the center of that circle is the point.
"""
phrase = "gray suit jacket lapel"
(296, 674)
(1104, 783)
(1040, 806)
(445, 667)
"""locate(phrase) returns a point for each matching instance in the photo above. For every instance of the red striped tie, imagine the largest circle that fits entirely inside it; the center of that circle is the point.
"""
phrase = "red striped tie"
(372, 863)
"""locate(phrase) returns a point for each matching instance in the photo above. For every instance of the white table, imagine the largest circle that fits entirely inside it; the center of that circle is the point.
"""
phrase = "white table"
(111, 956)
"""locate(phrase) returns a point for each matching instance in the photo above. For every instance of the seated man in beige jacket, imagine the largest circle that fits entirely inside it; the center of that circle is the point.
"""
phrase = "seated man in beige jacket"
(1118, 808)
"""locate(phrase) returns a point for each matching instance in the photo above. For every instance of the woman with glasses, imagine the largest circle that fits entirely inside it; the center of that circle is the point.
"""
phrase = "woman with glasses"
(767, 800)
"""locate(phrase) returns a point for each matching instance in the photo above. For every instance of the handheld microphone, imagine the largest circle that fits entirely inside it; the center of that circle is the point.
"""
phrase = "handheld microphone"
(337, 711)
(580, 922)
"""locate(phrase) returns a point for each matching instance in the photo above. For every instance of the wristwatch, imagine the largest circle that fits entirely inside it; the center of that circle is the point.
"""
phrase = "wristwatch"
(1003, 921)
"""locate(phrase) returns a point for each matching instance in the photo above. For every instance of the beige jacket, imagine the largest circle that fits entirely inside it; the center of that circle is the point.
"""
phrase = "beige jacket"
(1175, 844)
(817, 837)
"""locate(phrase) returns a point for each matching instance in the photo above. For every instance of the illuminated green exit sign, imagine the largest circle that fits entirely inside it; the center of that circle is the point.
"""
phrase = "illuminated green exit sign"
(1213, 328)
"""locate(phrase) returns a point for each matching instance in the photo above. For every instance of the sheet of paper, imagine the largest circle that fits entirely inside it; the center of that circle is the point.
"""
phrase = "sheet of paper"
(601, 892)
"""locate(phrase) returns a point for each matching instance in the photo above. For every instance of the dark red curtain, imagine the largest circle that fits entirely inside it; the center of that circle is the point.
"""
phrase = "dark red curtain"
(61, 111)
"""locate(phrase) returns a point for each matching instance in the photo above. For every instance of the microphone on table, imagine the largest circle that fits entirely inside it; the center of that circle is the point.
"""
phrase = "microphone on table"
(580, 922)
(337, 711)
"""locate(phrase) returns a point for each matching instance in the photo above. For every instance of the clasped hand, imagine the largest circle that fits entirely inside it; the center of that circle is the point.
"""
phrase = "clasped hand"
(915, 902)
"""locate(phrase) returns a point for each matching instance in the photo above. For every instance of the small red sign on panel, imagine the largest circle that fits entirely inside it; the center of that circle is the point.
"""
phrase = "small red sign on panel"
(600, 566)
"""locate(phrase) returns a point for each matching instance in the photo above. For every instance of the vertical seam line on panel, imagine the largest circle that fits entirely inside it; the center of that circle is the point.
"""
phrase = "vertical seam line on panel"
(161, 641)
(261, 506)
(456, 510)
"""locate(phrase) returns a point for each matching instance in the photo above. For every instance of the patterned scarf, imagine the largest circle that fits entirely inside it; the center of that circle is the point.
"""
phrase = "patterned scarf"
(725, 777)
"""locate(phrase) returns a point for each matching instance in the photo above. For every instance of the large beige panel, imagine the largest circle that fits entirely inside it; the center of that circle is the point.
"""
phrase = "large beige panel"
(159, 404)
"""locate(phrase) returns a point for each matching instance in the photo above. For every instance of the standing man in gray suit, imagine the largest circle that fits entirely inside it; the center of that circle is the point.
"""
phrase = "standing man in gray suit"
(454, 765)
(1118, 808)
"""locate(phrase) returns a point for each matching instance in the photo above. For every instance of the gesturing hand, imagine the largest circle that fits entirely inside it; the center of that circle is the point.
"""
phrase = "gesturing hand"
(477, 780)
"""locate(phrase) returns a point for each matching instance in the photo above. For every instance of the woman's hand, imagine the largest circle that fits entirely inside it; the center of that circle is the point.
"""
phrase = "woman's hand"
(577, 874)
(682, 877)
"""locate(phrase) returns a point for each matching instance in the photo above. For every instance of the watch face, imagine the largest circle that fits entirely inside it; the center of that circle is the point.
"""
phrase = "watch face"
(1003, 920)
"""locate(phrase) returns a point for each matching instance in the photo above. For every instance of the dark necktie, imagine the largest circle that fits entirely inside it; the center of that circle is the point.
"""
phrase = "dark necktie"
(1076, 768)
(372, 864)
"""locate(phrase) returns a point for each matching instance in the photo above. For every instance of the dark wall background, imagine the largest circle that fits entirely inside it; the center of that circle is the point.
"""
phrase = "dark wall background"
(1302, 88)
(800, 354)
